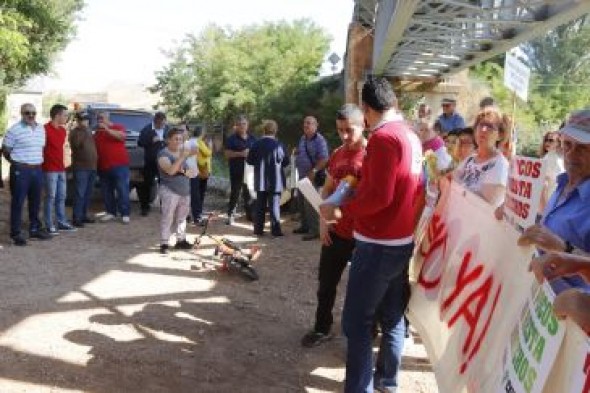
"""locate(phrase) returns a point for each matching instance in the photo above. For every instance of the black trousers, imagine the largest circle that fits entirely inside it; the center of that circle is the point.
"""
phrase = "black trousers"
(144, 190)
(198, 189)
(271, 200)
(238, 187)
(333, 260)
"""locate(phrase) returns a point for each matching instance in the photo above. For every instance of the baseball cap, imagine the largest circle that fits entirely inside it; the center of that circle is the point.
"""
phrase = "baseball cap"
(449, 101)
(578, 126)
(82, 116)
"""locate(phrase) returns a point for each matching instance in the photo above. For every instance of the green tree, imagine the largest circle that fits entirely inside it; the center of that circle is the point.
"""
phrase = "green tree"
(266, 71)
(32, 32)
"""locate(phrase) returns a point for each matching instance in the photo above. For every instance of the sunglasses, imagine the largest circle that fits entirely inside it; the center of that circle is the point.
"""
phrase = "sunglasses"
(30, 113)
(489, 126)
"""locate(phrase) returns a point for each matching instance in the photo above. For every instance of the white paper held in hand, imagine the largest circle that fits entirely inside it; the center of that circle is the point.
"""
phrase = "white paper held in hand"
(310, 193)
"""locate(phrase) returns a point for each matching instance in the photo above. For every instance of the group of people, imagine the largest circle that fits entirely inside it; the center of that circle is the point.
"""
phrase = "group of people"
(38, 169)
(38, 159)
(373, 229)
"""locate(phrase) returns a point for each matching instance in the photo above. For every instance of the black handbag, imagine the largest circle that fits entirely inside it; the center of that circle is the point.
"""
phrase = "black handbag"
(320, 176)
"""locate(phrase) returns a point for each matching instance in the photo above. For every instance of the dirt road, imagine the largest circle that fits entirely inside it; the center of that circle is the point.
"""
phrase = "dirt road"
(100, 310)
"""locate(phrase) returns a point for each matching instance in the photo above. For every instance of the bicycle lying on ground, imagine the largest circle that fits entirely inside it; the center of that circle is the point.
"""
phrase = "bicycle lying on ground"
(233, 257)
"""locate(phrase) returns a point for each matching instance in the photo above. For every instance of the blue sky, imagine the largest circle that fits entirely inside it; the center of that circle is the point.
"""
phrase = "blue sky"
(120, 41)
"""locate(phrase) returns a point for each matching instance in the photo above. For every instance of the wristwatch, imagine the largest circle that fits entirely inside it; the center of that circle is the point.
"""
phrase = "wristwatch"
(569, 248)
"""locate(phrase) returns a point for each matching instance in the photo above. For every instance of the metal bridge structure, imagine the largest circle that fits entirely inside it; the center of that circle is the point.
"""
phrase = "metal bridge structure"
(415, 42)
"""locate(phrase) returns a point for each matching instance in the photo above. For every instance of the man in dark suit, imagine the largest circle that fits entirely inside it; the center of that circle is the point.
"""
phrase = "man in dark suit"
(269, 159)
(152, 139)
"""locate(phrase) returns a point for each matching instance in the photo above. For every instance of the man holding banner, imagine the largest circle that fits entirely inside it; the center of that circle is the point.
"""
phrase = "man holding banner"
(565, 226)
(384, 216)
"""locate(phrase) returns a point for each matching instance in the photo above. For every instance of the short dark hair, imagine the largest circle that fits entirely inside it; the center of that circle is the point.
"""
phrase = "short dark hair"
(159, 115)
(378, 94)
(241, 117)
(174, 131)
(486, 101)
(56, 110)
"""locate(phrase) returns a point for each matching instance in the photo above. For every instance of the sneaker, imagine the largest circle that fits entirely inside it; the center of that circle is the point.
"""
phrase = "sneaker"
(125, 219)
(66, 227)
(313, 339)
(53, 231)
(107, 217)
(40, 235)
(230, 220)
(183, 245)
(19, 240)
(164, 248)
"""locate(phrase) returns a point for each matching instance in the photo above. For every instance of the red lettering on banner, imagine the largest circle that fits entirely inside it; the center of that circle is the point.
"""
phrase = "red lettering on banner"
(437, 237)
(480, 298)
(521, 188)
(521, 209)
(586, 388)
(528, 168)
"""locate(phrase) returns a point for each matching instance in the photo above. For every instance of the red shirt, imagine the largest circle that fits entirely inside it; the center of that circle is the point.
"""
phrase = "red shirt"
(53, 152)
(111, 151)
(383, 207)
(344, 162)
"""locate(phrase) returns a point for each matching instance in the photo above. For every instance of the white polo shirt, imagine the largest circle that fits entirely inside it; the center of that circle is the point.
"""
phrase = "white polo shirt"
(26, 143)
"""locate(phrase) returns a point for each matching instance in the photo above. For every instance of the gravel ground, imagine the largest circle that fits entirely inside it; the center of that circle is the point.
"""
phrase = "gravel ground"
(100, 310)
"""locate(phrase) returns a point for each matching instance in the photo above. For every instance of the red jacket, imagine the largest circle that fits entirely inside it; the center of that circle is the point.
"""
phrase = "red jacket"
(384, 204)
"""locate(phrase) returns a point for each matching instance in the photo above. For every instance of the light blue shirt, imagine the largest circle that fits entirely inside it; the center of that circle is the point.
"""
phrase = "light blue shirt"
(450, 123)
(26, 143)
(570, 219)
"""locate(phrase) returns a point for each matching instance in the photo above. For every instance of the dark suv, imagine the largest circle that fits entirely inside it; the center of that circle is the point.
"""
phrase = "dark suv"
(133, 121)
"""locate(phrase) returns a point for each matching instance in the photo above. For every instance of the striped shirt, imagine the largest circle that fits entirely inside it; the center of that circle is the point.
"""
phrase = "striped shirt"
(25, 142)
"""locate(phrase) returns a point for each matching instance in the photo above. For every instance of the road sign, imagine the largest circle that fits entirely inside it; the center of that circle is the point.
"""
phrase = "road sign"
(516, 76)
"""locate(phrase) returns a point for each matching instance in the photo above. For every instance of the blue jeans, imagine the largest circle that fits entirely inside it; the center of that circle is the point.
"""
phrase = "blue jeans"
(83, 185)
(378, 282)
(116, 180)
(26, 183)
(55, 197)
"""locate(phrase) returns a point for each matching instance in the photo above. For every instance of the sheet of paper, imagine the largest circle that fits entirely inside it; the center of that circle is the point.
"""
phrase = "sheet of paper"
(310, 193)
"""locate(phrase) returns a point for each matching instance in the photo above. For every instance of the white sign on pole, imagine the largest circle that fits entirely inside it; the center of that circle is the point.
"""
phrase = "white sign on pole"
(516, 76)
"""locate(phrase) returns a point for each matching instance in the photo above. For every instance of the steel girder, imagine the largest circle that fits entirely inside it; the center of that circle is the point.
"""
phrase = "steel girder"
(432, 39)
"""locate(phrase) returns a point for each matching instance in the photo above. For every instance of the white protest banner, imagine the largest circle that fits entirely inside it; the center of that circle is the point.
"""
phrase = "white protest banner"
(470, 286)
(571, 372)
(523, 194)
(310, 193)
(533, 347)
(516, 76)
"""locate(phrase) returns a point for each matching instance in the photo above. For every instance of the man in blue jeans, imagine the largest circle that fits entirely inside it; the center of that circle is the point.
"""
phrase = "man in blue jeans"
(113, 167)
(84, 160)
(384, 214)
(23, 148)
(54, 171)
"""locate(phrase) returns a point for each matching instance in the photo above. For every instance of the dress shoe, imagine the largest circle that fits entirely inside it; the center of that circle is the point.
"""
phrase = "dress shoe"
(40, 235)
(309, 237)
(19, 240)
(88, 221)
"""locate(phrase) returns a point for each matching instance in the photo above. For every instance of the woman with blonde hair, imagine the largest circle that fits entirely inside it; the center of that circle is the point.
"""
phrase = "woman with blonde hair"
(485, 172)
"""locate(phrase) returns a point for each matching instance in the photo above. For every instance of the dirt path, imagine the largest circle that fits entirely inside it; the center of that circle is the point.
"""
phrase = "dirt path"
(101, 311)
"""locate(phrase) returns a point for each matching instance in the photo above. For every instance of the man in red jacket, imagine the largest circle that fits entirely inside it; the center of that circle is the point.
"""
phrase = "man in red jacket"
(383, 212)
(113, 168)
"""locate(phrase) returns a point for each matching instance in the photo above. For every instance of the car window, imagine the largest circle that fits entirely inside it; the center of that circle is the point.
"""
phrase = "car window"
(133, 122)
